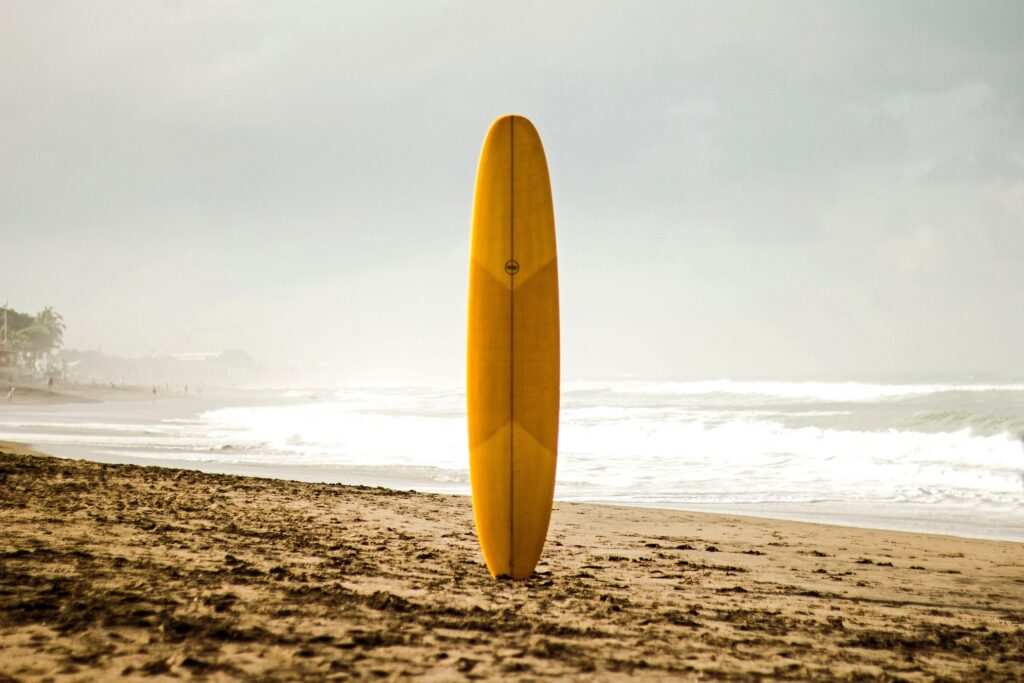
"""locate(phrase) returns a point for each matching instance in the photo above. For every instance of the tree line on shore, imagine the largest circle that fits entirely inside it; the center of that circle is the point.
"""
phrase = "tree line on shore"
(35, 335)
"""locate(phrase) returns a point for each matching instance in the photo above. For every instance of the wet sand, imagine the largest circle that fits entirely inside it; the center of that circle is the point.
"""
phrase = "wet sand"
(160, 574)
(63, 392)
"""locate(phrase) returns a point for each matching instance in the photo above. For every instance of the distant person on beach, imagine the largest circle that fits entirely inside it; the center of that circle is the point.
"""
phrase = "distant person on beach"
(49, 384)
(10, 393)
(154, 394)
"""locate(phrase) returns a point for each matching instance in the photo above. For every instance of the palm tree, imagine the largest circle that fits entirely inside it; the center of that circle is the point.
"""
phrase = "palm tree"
(52, 324)
(42, 335)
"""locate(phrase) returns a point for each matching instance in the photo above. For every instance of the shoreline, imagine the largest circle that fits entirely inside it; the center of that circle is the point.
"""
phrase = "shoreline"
(148, 433)
(38, 393)
(147, 571)
(924, 522)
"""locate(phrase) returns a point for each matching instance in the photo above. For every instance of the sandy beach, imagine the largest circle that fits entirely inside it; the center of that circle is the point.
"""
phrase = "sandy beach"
(160, 574)
(73, 392)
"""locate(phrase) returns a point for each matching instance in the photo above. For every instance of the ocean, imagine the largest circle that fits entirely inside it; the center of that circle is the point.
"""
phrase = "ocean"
(941, 458)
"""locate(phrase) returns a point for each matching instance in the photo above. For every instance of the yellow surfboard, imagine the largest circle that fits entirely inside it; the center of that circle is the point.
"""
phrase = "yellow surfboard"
(512, 373)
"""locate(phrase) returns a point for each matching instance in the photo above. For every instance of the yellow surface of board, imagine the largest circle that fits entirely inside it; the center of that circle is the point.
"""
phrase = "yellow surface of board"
(512, 368)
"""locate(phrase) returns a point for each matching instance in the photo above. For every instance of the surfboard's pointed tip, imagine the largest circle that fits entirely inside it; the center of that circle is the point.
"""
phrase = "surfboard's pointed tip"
(514, 118)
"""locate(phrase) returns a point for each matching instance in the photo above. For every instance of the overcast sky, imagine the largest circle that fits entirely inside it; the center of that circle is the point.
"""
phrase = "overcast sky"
(784, 190)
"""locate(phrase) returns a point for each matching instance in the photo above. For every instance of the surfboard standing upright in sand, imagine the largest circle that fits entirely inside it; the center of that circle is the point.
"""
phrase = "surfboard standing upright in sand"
(512, 374)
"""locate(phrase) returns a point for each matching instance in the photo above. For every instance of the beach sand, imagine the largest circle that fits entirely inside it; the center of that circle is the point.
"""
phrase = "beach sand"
(161, 574)
(71, 392)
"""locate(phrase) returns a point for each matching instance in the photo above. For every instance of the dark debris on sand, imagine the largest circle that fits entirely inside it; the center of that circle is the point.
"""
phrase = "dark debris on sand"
(111, 571)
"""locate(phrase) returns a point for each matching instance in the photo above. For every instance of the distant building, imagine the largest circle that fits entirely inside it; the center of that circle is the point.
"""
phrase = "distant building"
(203, 368)
(197, 356)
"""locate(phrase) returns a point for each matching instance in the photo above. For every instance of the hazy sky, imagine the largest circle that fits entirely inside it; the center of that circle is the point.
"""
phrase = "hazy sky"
(741, 189)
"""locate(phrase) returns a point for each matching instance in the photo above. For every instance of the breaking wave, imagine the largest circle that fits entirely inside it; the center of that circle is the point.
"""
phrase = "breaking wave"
(954, 450)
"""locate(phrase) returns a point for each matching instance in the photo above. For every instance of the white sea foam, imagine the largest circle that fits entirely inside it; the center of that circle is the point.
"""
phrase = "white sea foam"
(954, 451)
(819, 391)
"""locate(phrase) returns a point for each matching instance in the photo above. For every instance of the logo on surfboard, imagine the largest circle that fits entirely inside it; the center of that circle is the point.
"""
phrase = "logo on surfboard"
(511, 266)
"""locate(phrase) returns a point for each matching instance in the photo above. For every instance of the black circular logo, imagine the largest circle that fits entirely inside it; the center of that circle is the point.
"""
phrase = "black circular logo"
(512, 266)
